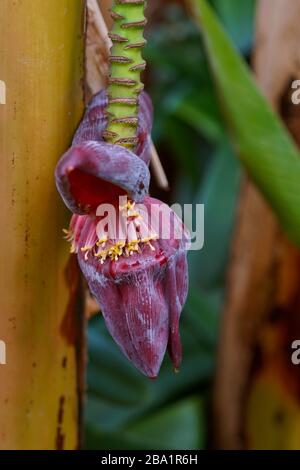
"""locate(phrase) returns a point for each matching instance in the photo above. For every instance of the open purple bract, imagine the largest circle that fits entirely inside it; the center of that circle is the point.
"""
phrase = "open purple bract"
(131, 248)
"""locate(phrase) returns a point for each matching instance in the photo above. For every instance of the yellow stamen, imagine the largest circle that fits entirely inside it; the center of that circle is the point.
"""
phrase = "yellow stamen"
(137, 234)
(86, 248)
(102, 241)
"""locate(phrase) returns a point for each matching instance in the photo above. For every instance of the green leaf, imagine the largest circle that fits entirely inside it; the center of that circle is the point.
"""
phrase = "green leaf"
(218, 193)
(201, 314)
(261, 140)
(183, 152)
(179, 426)
(238, 19)
(163, 429)
(199, 110)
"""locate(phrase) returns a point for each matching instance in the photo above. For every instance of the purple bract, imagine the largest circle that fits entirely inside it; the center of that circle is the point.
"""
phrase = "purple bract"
(134, 258)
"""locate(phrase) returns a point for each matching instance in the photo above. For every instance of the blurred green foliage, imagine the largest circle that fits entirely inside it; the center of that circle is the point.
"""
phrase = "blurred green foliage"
(124, 409)
(263, 143)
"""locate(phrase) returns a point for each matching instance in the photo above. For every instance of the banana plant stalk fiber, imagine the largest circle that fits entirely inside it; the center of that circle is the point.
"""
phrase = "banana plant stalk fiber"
(41, 65)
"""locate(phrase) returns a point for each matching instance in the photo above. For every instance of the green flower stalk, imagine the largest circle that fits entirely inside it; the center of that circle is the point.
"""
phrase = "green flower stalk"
(126, 65)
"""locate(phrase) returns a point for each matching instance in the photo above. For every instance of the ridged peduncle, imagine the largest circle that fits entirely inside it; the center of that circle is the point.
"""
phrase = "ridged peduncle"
(126, 65)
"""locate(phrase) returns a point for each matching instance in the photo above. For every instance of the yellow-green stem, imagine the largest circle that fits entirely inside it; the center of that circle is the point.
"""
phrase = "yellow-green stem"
(126, 65)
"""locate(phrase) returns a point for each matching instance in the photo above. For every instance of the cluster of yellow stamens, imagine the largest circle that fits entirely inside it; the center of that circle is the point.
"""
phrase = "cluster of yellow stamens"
(105, 245)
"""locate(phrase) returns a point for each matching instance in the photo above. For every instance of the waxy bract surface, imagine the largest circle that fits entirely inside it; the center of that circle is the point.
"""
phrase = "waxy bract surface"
(140, 280)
